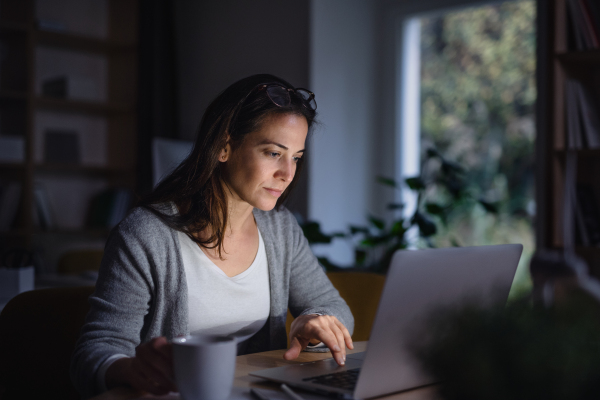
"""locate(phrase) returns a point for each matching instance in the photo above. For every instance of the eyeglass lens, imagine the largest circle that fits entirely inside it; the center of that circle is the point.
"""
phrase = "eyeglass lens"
(308, 97)
(279, 95)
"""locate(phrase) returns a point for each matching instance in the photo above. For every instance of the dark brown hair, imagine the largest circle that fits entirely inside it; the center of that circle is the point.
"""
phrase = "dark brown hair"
(195, 186)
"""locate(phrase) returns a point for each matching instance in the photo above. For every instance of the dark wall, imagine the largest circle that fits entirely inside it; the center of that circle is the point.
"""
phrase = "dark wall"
(219, 42)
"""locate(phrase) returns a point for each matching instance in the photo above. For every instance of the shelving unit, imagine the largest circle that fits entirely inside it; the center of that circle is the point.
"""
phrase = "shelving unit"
(24, 110)
(564, 62)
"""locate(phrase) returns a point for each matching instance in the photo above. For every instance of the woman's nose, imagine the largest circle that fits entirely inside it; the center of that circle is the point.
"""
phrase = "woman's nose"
(286, 170)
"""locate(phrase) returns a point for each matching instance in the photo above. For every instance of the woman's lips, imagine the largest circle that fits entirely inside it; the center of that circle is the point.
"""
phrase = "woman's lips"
(274, 192)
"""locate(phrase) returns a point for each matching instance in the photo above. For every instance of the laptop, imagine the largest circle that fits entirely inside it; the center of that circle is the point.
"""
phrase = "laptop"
(417, 282)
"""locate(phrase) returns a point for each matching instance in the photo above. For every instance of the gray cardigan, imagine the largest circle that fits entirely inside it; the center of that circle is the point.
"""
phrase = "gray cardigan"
(141, 292)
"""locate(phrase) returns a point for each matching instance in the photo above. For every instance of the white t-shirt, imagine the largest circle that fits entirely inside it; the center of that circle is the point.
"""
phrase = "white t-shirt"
(222, 305)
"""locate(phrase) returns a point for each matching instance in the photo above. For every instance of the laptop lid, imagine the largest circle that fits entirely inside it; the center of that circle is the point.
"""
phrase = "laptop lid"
(417, 282)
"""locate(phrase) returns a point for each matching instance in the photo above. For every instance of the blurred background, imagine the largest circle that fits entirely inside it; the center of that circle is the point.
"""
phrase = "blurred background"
(100, 98)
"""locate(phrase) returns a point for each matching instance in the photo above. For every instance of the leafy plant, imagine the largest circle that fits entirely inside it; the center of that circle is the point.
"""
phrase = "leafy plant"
(515, 351)
(376, 242)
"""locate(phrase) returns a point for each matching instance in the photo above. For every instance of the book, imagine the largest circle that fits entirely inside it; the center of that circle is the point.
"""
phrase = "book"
(10, 193)
(594, 7)
(590, 123)
(587, 206)
(590, 29)
(45, 216)
(71, 87)
(581, 42)
(12, 149)
(109, 207)
(583, 123)
(574, 133)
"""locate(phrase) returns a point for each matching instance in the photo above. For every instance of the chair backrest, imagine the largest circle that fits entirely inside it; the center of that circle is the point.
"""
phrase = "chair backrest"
(74, 262)
(38, 331)
(361, 291)
(167, 154)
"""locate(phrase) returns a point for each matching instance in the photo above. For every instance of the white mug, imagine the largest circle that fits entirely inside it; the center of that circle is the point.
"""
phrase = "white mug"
(204, 366)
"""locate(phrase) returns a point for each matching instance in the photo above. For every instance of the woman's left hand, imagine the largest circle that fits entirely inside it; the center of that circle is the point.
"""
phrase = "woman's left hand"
(319, 328)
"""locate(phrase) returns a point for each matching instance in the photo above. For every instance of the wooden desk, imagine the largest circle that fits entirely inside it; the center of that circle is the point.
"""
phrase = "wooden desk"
(270, 359)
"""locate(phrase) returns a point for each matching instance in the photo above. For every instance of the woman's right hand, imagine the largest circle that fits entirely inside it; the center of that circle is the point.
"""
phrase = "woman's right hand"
(151, 369)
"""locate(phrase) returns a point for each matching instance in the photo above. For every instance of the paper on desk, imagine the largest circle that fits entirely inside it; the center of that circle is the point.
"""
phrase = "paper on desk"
(244, 394)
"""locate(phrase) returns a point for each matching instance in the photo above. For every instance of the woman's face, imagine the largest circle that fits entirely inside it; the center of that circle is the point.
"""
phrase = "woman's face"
(262, 167)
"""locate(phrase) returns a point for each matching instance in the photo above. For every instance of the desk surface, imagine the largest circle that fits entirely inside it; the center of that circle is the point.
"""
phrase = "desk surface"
(269, 359)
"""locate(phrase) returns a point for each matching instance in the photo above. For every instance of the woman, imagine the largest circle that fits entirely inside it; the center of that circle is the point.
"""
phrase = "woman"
(211, 250)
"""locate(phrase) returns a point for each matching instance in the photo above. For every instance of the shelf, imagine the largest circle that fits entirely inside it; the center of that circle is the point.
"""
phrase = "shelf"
(580, 152)
(81, 43)
(28, 114)
(16, 233)
(16, 166)
(13, 95)
(99, 232)
(14, 26)
(82, 106)
(578, 57)
(68, 169)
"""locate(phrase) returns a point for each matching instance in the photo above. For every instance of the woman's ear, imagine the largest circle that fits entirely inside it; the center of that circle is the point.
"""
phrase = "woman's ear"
(225, 152)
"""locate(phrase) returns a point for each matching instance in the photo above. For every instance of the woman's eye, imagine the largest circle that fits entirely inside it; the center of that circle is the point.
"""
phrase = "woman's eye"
(273, 154)
(296, 159)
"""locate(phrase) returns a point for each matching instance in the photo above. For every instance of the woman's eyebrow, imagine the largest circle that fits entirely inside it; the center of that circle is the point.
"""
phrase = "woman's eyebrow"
(267, 141)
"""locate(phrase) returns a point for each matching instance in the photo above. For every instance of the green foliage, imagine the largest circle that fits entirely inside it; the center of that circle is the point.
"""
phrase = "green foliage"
(312, 232)
(514, 352)
(478, 96)
(376, 242)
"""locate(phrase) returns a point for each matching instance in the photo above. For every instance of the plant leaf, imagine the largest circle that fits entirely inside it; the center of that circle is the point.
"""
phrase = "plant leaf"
(327, 265)
(432, 153)
(377, 222)
(387, 181)
(426, 226)
(395, 206)
(358, 229)
(449, 167)
(313, 233)
(398, 228)
(455, 242)
(375, 240)
(435, 209)
(368, 242)
(489, 207)
(415, 183)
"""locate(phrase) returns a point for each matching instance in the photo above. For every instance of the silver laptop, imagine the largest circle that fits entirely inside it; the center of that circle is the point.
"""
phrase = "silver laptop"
(418, 281)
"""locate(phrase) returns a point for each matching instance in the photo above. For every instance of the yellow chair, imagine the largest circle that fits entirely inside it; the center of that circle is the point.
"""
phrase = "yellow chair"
(38, 331)
(361, 290)
(75, 262)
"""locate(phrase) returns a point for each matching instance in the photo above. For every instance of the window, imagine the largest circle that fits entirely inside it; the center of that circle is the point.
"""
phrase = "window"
(469, 92)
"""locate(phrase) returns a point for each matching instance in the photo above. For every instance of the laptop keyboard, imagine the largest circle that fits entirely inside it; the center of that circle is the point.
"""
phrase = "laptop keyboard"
(343, 380)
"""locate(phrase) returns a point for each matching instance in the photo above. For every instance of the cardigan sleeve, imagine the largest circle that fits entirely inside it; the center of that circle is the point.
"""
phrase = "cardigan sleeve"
(118, 308)
(310, 291)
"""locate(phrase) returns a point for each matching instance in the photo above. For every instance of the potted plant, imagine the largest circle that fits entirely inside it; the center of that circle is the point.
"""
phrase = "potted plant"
(375, 243)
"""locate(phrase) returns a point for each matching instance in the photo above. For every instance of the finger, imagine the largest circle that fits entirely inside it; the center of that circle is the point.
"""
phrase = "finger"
(147, 379)
(346, 332)
(331, 341)
(296, 347)
(156, 356)
(162, 347)
(339, 336)
(340, 339)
